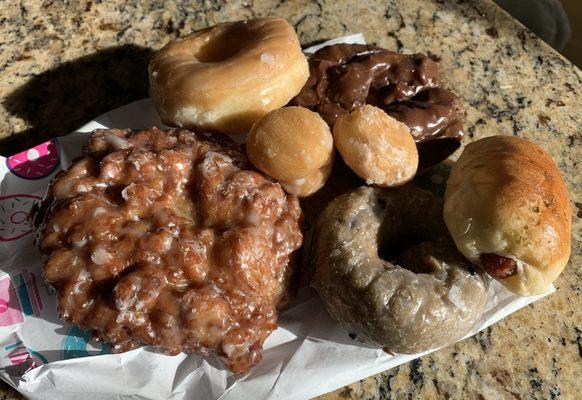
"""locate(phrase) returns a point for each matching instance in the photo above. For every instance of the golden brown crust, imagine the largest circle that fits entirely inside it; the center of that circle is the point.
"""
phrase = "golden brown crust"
(506, 196)
(378, 148)
(309, 185)
(227, 76)
(289, 143)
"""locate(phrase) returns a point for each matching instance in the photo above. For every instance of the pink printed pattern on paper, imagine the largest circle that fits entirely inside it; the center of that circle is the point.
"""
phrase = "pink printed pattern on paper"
(10, 312)
(35, 163)
(18, 353)
(19, 297)
(26, 289)
(14, 212)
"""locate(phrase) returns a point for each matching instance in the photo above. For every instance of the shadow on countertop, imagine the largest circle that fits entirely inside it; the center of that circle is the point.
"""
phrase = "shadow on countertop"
(60, 100)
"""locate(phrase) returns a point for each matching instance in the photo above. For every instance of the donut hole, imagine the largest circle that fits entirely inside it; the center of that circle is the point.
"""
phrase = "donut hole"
(408, 247)
(395, 249)
(223, 44)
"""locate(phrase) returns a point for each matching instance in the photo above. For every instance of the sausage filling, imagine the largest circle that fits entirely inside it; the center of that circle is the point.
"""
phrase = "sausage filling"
(498, 266)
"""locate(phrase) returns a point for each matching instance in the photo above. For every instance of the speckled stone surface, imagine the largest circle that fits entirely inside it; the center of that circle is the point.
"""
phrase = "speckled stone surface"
(63, 63)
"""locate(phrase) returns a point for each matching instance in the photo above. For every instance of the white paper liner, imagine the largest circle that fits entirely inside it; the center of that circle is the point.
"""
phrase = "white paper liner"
(44, 358)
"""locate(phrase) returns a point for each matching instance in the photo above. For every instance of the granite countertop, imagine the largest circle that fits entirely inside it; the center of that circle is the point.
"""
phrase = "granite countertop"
(63, 63)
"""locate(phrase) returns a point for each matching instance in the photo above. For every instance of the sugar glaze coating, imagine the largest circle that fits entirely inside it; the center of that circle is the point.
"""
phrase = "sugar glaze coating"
(387, 270)
(169, 239)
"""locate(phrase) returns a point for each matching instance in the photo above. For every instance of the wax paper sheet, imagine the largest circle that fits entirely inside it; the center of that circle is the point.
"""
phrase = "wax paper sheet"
(44, 358)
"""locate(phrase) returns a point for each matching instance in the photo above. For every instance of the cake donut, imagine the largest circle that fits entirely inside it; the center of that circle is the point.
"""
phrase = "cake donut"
(387, 270)
(346, 76)
(227, 76)
(169, 239)
(507, 208)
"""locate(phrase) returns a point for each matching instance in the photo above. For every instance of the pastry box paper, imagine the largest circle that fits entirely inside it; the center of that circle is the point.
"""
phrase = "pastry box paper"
(44, 358)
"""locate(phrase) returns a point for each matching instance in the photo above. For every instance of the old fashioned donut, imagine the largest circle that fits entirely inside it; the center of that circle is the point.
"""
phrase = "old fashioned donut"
(227, 76)
(406, 86)
(293, 145)
(507, 208)
(378, 148)
(387, 270)
(169, 239)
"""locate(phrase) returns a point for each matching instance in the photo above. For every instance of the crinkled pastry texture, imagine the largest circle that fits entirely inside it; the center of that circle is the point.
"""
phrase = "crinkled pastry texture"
(387, 269)
(169, 239)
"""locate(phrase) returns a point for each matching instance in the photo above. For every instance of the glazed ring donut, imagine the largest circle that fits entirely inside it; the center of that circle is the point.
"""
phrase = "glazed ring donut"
(426, 296)
(227, 76)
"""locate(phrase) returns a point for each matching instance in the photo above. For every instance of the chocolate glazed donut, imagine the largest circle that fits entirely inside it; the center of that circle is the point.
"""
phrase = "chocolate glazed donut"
(346, 76)
(387, 269)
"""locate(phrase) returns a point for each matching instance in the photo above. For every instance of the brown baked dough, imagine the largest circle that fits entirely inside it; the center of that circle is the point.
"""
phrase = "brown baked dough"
(169, 239)
(289, 143)
(507, 208)
(227, 76)
(387, 269)
(378, 148)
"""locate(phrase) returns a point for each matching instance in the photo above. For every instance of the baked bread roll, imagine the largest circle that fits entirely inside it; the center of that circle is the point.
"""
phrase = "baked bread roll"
(507, 208)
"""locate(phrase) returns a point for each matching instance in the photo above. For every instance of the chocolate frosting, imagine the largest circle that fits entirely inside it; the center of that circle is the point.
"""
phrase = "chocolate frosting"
(346, 76)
